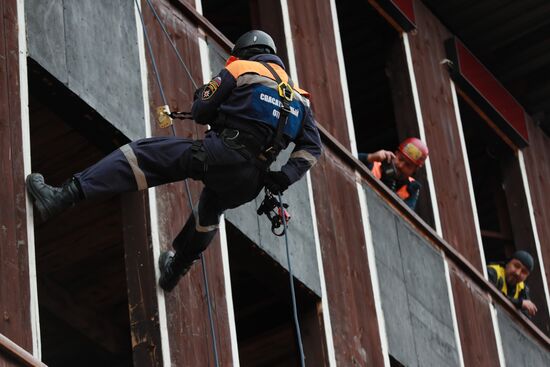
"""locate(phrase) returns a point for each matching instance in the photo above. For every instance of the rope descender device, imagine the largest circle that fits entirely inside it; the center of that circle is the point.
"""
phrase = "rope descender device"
(165, 117)
(271, 207)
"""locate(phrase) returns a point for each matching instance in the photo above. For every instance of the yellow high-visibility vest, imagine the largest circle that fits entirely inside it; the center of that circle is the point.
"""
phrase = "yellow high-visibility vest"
(501, 280)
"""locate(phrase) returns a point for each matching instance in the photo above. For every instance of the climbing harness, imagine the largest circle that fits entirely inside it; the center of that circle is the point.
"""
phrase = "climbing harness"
(275, 211)
(165, 117)
(286, 94)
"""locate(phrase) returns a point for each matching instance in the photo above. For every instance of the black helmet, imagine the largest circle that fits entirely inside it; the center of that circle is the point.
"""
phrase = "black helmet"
(252, 43)
(525, 258)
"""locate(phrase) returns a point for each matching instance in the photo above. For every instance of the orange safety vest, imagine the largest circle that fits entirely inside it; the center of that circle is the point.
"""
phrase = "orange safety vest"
(261, 91)
(240, 67)
(402, 192)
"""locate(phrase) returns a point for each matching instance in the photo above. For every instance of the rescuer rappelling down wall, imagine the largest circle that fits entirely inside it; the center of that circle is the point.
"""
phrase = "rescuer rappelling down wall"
(248, 132)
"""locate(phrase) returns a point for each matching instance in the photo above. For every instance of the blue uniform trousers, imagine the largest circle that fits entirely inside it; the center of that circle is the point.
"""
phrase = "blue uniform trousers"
(230, 180)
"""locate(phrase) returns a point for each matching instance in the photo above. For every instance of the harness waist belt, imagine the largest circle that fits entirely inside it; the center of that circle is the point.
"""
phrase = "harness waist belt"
(247, 145)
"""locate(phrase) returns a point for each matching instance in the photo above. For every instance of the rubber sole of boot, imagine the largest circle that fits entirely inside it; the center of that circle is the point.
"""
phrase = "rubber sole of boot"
(45, 214)
(163, 283)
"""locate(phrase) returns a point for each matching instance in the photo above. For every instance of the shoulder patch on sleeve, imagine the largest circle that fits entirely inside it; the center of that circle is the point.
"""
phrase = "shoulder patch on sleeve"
(211, 88)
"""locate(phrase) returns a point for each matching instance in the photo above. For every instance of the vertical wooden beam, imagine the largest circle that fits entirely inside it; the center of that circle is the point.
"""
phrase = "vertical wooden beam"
(324, 322)
(442, 133)
(187, 319)
(346, 264)
(141, 281)
(524, 238)
(472, 305)
(317, 64)
(453, 310)
(15, 296)
(371, 257)
(536, 174)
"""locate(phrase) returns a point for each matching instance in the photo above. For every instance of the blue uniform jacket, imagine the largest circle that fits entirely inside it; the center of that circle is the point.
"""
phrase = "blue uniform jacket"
(248, 96)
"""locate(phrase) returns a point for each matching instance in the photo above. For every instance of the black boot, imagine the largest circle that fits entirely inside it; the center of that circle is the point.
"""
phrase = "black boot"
(189, 244)
(172, 268)
(50, 200)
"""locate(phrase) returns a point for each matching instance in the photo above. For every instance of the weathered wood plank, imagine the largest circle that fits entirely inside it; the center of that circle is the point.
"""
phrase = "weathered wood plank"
(188, 323)
(442, 135)
(347, 275)
(14, 288)
(12, 354)
(317, 63)
(141, 281)
(477, 336)
(537, 165)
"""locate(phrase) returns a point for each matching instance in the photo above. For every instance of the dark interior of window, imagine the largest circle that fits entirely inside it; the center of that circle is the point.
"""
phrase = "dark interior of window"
(394, 362)
(487, 156)
(82, 293)
(233, 18)
(367, 43)
(379, 86)
(263, 309)
(501, 201)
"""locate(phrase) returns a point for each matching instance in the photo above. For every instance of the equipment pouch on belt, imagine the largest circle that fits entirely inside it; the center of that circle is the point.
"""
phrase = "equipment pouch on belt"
(199, 164)
(230, 139)
(246, 145)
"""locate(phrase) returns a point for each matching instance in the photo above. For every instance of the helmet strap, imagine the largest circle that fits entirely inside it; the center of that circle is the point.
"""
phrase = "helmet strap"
(247, 53)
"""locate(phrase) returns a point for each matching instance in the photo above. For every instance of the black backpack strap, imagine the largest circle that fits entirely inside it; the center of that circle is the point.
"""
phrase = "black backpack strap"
(285, 93)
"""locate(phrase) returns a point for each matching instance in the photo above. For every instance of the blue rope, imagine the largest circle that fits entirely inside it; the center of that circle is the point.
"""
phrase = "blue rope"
(292, 291)
(163, 96)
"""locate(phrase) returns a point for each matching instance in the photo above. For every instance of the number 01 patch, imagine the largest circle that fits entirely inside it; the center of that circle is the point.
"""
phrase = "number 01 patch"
(211, 88)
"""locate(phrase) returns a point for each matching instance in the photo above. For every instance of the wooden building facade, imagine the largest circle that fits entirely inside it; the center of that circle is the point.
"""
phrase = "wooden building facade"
(376, 283)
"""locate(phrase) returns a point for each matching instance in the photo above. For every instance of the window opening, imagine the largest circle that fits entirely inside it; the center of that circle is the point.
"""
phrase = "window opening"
(367, 42)
(263, 311)
(488, 157)
(379, 86)
(82, 295)
(501, 202)
(234, 18)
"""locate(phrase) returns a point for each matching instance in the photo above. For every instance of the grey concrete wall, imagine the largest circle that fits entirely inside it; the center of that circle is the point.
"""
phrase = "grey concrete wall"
(414, 293)
(301, 236)
(91, 46)
(519, 348)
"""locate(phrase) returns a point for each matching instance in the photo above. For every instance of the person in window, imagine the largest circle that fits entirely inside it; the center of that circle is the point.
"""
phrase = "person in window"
(255, 112)
(395, 170)
(510, 278)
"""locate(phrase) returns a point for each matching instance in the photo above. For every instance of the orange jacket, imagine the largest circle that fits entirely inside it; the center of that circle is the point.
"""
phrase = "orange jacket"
(402, 191)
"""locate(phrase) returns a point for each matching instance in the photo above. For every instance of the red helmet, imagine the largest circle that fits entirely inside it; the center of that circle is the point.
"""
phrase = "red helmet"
(414, 150)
